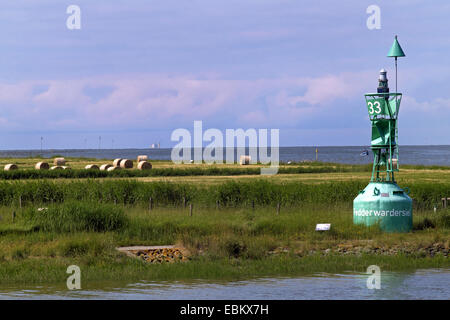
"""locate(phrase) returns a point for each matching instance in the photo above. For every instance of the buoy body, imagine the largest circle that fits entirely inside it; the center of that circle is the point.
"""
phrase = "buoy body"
(386, 204)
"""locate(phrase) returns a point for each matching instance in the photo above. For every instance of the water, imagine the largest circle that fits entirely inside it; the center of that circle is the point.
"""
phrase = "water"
(421, 284)
(425, 155)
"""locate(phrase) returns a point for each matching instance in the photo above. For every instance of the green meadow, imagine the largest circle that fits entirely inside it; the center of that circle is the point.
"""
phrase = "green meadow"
(240, 227)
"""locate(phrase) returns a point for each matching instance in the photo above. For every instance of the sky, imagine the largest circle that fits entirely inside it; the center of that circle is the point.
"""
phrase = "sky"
(138, 69)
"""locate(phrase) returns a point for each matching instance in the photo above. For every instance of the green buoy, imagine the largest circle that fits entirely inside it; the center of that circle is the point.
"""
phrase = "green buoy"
(383, 202)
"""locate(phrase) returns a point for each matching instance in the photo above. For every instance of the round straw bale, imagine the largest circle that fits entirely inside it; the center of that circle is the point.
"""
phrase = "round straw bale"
(105, 166)
(41, 166)
(57, 168)
(144, 165)
(126, 164)
(59, 161)
(394, 163)
(142, 158)
(244, 160)
(116, 162)
(11, 166)
(113, 168)
(92, 166)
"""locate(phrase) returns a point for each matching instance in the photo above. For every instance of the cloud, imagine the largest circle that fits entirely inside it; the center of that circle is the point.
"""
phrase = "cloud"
(163, 101)
(15, 93)
(436, 105)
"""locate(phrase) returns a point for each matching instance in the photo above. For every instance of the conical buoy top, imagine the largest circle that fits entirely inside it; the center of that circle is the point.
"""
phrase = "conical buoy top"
(396, 50)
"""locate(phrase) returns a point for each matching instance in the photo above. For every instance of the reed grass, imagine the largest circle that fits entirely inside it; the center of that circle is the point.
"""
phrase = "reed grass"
(75, 217)
(171, 172)
(229, 194)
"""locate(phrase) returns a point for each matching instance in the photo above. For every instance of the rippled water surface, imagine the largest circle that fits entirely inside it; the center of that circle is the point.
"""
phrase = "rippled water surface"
(422, 284)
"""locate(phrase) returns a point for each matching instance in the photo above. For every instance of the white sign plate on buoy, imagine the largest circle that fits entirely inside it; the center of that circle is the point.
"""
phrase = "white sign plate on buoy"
(323, 226)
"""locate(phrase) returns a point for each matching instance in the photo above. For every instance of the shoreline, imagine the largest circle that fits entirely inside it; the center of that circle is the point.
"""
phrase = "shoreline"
(45, 272)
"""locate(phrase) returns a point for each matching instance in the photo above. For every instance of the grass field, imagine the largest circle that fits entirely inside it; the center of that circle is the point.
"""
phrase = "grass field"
(310, 172)
(235, 230)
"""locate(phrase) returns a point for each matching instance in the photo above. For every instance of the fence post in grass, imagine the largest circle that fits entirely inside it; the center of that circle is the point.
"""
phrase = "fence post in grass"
(13, 216)
(278, 208)
(20, 201)
(150, 205)
(444, 203)
(115, 201)
(190, 209)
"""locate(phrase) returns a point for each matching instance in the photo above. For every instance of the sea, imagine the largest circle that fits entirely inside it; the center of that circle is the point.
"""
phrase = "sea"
(438, 155)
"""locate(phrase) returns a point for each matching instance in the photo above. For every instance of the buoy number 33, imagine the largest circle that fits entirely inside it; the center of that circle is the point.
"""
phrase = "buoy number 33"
(374, 107)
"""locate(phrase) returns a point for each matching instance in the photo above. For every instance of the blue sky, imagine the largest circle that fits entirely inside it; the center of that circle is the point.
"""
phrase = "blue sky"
(136, 70)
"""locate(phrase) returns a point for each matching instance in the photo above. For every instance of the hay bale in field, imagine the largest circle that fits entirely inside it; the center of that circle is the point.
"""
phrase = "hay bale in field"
(112, 168)
(105, 166)
(11, 166)
(66, 167)
(245, 160)
(116, 162)
(142, 158)
(92, 166)
(126, 164)
(41, 166)
(57, 168)
(59, 161)
(394, 163)
(144, 165)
